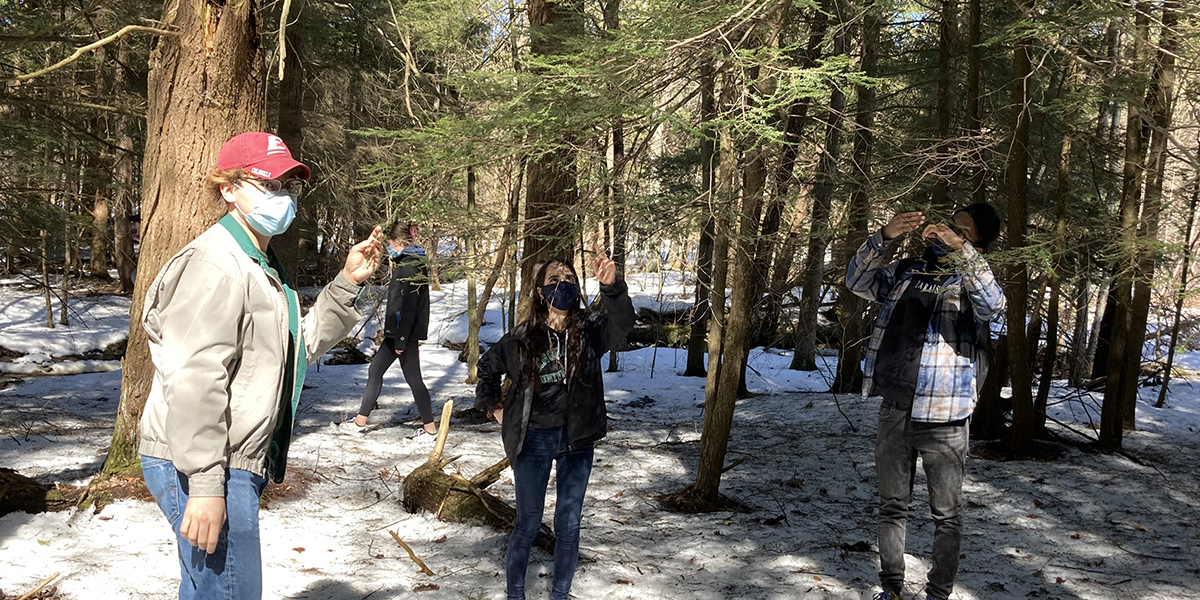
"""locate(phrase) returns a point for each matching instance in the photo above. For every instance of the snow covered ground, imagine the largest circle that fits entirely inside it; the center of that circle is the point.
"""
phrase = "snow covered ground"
(1084, 526)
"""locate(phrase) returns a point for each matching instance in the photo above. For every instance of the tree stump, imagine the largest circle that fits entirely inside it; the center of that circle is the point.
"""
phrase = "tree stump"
(20, 493)
(455, 499)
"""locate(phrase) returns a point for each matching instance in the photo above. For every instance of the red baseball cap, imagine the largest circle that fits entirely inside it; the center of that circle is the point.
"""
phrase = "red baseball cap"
(263, 154)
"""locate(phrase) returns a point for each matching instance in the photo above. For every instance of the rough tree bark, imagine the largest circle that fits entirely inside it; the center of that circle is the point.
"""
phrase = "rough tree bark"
(1111, 412)
(1159, 105)
(205, 86)
(1021, 434)
(123, 192)
(552, 179)
(293, 244)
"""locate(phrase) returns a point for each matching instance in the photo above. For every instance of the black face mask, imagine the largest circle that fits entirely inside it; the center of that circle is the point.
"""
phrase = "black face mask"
(563, 295)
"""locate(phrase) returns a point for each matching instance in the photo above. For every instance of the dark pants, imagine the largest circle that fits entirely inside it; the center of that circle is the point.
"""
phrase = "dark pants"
(943, 452)
(410, 366)
(531, 473)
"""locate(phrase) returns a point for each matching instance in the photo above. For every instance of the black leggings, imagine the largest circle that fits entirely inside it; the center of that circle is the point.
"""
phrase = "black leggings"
(410, 365)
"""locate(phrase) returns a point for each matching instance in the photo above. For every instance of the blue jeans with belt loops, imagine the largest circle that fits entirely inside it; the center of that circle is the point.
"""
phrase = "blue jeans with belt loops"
(531, 474)
(234, 570)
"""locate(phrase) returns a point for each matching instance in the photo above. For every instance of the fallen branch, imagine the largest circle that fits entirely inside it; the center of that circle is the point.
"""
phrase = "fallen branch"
(34, 591)
(439, 444)
(735, 463)
(424, 568)
(490, 475)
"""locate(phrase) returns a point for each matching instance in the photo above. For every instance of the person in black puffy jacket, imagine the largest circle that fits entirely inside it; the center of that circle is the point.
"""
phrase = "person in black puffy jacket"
(554, 408)
(406, 323)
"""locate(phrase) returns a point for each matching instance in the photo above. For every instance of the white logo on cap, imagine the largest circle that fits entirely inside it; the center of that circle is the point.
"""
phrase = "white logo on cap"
(275, 145)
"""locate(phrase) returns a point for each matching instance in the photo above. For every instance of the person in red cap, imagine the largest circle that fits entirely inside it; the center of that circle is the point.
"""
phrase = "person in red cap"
(230, 351)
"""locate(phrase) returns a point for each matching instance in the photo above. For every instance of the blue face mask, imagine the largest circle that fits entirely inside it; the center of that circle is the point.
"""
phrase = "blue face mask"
(940, 249)
(394, 253)
(273, 212)
(563, 295)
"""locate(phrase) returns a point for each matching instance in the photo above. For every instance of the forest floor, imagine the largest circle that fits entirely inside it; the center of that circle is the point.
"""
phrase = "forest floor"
(1083, 525)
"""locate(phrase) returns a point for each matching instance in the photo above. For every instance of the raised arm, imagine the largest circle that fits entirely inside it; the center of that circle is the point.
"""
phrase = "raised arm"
(984, 292)
(867, 276)
(619, 319)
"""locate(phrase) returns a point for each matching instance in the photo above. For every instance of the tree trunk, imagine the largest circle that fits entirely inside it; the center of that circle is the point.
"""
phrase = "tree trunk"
(1159, 105)
(797, 120)
(987, 423)
(1112, 412)
(975, 104)
(205, 86)
(1060, 244)
(123, 190)
(474, 315)
(1080, 333)
(1180, 295)
(288, 246)
(719, 406)
(726, 170)
(805, 356)
(947, 31)
(551, 187)
(701, 312)
(505, 246)
(1021, 434)
(45, 279)
(850, 307)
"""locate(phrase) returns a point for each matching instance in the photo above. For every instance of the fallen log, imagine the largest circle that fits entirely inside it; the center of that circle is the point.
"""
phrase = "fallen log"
(456, 499)
(20, 493)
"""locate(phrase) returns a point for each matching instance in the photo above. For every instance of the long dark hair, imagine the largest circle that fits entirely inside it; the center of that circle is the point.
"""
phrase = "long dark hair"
(538, 329)
(402, 230)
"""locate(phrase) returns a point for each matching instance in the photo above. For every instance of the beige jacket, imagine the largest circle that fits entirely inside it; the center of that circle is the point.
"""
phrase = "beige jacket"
(218, 329)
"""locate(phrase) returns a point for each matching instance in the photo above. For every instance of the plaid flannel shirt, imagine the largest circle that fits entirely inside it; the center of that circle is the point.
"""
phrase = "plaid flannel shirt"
(952, 361)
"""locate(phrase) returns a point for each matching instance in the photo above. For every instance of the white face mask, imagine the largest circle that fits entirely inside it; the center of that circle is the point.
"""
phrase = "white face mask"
(273, 211)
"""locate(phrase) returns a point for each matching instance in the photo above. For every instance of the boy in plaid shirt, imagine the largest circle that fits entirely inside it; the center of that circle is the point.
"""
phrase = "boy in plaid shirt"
(925, 360)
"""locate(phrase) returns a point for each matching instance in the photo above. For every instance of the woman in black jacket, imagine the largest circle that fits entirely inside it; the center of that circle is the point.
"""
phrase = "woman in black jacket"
(406, 323)
(554, 410)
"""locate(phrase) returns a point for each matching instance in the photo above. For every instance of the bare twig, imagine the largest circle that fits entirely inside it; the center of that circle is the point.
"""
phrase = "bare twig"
(413, 555)
(283, 22)
(88, 48)
(34, 591)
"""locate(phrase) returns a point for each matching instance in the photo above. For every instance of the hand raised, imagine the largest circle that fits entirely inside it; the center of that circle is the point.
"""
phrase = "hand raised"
(364, 258)
(603, 266)
(946, 234)
(902, 224)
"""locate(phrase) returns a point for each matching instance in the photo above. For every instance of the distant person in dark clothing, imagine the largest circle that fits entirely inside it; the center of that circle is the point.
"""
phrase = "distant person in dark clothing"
(406, 324)
(554, 409)
(925, 360)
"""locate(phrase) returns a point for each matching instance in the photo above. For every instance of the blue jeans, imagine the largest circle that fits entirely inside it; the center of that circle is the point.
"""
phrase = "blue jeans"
(234, 571)
(943, 452)
(531, 474)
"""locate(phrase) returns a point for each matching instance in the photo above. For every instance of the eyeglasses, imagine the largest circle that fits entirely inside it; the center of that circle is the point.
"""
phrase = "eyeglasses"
(294, 187)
